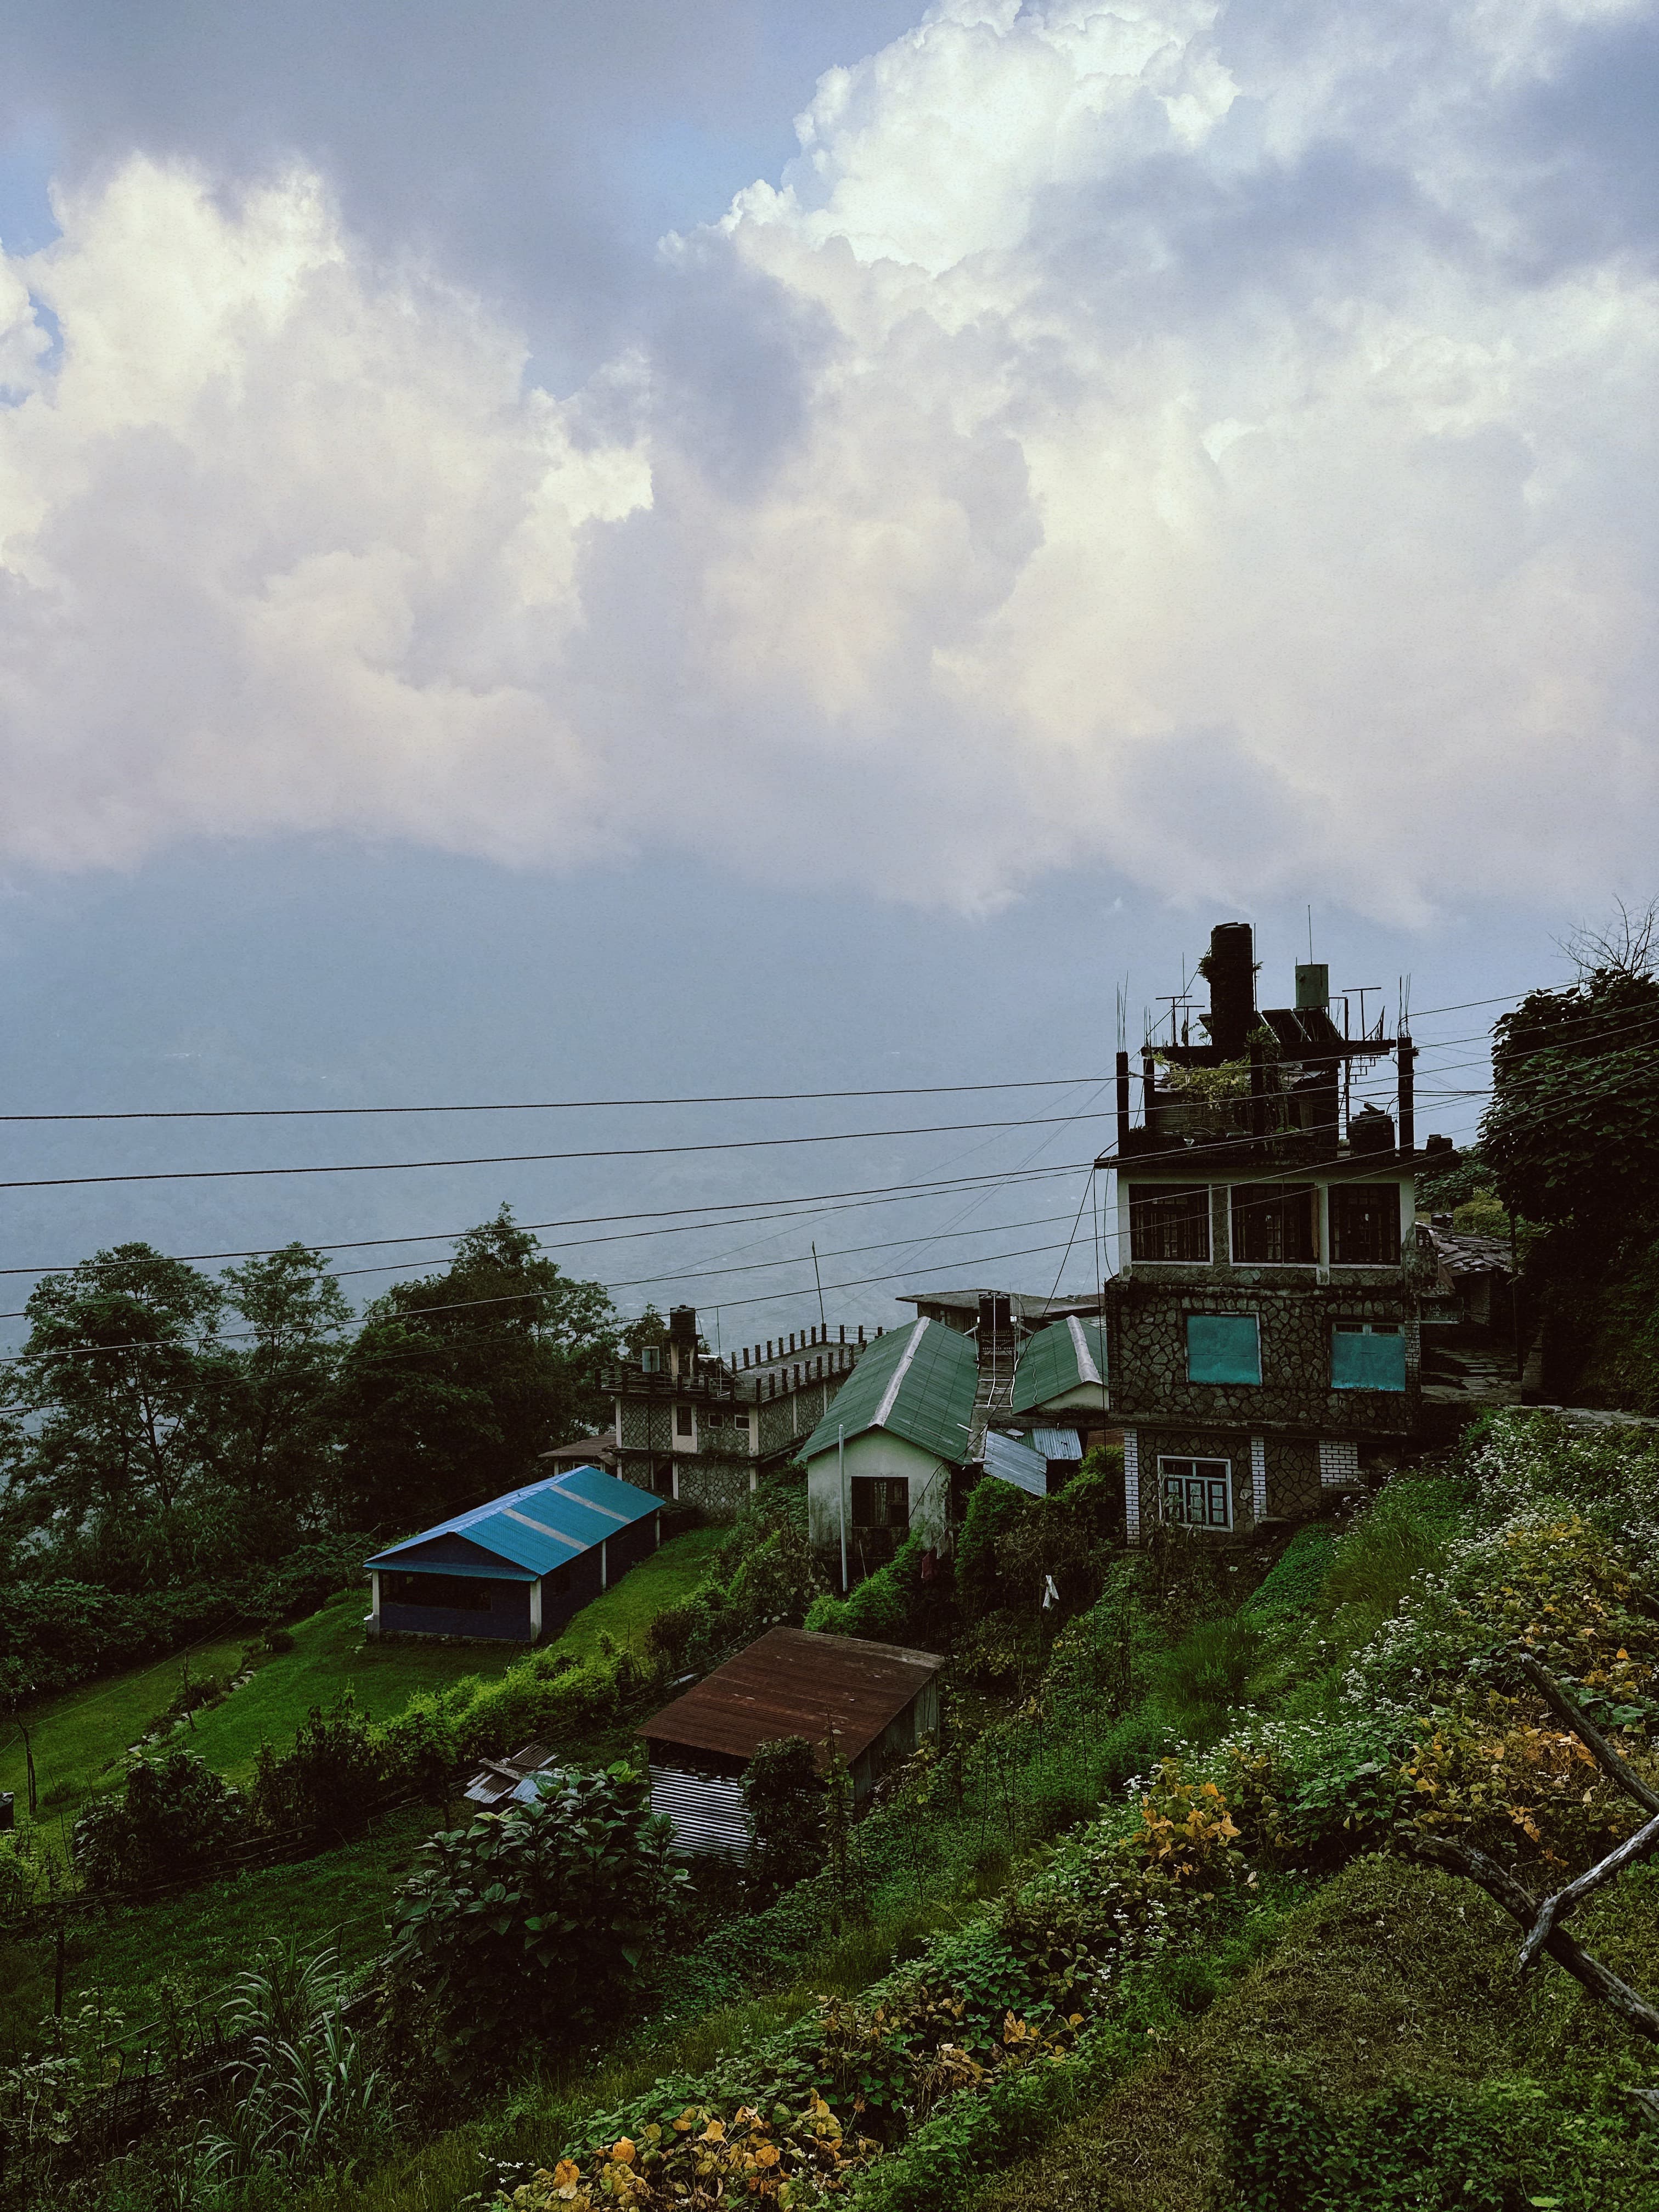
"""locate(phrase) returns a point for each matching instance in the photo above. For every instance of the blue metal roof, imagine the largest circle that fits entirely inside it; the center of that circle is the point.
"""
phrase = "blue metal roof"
(545, 1525)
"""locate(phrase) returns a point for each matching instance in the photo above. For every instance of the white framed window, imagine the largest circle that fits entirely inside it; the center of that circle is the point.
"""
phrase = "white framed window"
(1196, 1493)
(651, 1359)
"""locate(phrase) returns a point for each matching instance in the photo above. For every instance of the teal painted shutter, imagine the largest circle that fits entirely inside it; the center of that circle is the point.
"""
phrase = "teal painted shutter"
(1222, 1348)
(1363, 1360)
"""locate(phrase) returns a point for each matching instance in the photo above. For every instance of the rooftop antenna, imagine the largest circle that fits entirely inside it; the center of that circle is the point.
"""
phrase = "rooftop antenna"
(1310, 935)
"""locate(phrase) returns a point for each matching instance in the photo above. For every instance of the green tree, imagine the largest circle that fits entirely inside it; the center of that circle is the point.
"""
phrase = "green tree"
(533, 1922)
(457, 1381)
(1572, 1131)
(118, 1395)
(279, 1384)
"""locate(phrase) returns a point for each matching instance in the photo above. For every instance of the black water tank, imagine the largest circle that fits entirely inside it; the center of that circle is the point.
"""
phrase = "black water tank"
(1370, 1130)
(1231, 970)
(683, 1325)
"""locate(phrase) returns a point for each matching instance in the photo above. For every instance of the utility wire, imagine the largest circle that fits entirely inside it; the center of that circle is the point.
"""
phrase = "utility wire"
(513, 1159)
(550, 1105)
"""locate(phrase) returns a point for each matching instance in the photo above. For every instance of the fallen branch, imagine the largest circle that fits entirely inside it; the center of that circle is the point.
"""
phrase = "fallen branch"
(1523, 1907)
(1605, 1756)
(1554, 1910)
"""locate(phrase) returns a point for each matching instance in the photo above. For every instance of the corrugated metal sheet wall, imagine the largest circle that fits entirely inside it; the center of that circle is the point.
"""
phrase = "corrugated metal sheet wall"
(708, 1812)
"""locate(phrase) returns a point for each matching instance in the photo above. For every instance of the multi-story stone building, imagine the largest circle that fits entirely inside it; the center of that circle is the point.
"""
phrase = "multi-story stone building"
(1262, 1328)
(704, 1430)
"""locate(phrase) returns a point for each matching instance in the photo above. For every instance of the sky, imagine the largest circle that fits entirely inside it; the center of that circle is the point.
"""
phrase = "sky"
(556, 553)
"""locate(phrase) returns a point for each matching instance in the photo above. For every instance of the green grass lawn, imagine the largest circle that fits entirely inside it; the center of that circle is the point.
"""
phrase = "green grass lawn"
(331, 1654)
(201, 1941)
(80, 1737)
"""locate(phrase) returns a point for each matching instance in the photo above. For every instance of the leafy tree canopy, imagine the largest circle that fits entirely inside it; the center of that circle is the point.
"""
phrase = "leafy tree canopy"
(1572, 1131)
(457, 1381)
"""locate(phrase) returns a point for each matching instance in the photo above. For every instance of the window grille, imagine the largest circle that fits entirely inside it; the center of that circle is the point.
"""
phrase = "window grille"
(1169, 1222)
(1275, 1225)
(880, 1501)
(1365, 1225)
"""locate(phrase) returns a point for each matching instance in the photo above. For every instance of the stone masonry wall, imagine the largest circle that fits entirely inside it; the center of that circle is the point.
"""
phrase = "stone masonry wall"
(1147, 1320)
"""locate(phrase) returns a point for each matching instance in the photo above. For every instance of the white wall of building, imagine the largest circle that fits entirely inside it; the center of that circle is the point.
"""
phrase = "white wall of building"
(876, 1452)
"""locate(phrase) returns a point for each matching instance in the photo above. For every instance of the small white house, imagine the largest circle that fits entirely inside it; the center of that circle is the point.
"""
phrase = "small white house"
(879, 1463)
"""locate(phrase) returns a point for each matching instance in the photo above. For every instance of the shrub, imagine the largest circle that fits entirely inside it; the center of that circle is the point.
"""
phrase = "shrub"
(534, 1920)
(994, 1510)
(173, 1820)
(1287, 2152)
(785, 1800)
(911, 1600)
(330, 1778)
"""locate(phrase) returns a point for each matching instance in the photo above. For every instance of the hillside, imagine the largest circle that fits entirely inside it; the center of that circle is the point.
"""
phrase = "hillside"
(1158, 1926)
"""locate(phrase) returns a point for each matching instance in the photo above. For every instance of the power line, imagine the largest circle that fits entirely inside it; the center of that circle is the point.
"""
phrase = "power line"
(829, 1200)
(550, 1105)
(515, 1159)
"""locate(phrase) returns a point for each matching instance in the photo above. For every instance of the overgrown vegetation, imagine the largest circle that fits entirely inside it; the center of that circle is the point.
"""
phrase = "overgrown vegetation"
(1150, 1925)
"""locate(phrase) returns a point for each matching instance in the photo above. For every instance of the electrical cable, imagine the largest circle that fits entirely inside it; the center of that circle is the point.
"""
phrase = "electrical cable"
(516, 1159)
(550, 1105)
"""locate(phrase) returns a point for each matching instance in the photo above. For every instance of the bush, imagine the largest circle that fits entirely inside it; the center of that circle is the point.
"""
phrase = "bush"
(328, 1780)
(785, 1800)
(994, 1510)
(174, 1818)
(1288, 2152)
(911, 1600)
(535, 1921)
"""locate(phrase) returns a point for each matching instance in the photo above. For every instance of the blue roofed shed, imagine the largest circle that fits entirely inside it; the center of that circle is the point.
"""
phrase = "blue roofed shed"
(515, 1571)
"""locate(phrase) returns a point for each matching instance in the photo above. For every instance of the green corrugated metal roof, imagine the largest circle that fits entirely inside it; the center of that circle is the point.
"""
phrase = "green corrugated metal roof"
(916, 1383)
(1057, 1360)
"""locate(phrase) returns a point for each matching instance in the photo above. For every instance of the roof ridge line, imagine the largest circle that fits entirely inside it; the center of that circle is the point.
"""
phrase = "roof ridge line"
(890, 1396)
(1085, 1358)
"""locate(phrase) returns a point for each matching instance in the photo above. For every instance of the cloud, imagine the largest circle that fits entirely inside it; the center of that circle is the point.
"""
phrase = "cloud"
(1215, 441)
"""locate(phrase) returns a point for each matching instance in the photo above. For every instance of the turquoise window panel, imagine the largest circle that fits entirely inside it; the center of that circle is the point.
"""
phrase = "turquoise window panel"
(1224, 1348)
(1366, 1359)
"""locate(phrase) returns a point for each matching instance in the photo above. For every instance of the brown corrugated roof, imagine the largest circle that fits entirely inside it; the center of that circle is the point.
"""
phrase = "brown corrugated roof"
(791, 1683)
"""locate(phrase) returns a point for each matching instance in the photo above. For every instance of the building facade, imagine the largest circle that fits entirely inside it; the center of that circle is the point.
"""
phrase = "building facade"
(1262, 1330)
(704, 1430)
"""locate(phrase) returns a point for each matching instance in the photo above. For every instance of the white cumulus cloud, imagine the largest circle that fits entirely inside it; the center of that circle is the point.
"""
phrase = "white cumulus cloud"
(1211, 440)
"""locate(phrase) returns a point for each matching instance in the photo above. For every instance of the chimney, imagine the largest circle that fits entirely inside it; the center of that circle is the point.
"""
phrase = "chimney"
(1230, 968)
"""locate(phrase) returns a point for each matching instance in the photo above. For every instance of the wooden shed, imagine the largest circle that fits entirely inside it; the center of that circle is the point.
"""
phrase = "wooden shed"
(875, 1701)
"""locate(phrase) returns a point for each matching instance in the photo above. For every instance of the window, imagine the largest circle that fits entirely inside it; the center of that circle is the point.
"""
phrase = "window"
(1224, 1348)
(711, 1419)
(682, 1421)
(455, 1593)
(1197, 1494)
(880, 1501)
(740, 1420)
(1275, 1224)
(1168, 1221)
(651, 1359)
(1365, 1225)
(1368, 1355)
